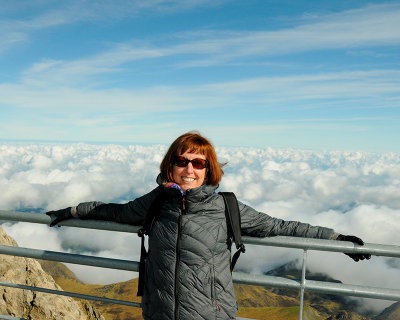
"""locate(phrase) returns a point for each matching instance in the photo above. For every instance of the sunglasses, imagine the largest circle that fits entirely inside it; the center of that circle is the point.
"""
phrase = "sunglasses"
(196, 163)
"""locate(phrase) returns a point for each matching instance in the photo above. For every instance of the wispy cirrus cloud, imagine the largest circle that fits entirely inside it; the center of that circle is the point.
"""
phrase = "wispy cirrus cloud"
(357, 101)
(369, 86)
(42, 15)
(372, 26)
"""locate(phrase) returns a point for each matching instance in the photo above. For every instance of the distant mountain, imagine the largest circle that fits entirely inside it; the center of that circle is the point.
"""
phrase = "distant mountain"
(390, 313)
(336, 306)
(121, 291)
(323, 303)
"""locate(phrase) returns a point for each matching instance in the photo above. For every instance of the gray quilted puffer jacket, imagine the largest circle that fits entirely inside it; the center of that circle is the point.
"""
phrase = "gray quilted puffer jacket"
(188, 268)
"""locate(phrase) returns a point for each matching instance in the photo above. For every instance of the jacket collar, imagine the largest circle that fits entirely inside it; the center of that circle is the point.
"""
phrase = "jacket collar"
(196, 194)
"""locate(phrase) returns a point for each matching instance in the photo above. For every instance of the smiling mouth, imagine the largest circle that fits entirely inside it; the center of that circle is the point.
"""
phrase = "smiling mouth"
(188, 179)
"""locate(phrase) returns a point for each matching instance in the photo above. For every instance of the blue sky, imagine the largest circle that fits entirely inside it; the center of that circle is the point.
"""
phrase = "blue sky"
(321, 75)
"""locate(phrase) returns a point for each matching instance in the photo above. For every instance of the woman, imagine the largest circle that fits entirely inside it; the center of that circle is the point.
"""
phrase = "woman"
(188, 268)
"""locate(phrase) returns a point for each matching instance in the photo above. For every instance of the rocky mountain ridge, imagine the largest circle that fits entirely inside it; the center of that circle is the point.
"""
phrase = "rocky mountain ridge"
(27, 304)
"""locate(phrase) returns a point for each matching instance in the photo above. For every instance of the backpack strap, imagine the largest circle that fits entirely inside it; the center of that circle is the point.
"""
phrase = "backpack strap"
(154, 210)
(151, 214)
(234, 223)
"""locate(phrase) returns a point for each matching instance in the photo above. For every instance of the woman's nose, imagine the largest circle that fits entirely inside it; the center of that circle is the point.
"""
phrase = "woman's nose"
(189, 167)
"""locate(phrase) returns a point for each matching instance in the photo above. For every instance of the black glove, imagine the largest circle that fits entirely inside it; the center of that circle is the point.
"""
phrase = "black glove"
(59, 215)
(355, 256)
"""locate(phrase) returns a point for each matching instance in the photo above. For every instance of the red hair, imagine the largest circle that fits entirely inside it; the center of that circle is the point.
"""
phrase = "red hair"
(192, 142)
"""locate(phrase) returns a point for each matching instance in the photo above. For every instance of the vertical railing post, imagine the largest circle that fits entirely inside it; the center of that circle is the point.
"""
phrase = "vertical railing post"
(303, 284)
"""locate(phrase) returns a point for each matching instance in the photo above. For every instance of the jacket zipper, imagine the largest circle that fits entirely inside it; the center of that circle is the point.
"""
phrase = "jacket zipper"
(178, 249)
(213, 290)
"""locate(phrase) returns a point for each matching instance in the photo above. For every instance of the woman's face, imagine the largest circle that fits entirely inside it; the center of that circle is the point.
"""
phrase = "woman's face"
(189, 177)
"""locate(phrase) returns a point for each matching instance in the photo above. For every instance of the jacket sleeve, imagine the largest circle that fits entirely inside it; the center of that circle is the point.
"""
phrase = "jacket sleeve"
(259, 224)
(132, 212)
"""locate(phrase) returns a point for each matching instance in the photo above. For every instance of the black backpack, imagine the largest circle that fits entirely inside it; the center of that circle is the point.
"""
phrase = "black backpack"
(232, 218)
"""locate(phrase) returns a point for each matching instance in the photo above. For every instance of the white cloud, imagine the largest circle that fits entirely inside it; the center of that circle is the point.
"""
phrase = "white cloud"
(43, 176)
(352, 192)
(34, 236)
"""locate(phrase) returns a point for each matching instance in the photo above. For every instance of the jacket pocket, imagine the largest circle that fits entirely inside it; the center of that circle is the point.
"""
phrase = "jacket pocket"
(214, 294)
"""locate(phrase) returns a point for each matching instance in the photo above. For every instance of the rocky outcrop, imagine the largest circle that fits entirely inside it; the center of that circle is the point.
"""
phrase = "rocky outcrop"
(344, 315)
(390, 313)
(35, 305)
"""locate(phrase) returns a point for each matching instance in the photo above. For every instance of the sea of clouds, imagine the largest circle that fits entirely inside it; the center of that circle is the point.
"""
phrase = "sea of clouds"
(352, 192)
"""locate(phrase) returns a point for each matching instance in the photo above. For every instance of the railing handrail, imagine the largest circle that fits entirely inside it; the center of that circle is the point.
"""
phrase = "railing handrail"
(238, 277)
(392, 251)
(42, 218)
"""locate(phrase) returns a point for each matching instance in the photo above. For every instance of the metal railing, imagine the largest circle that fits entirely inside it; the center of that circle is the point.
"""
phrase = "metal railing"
(301, 285)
